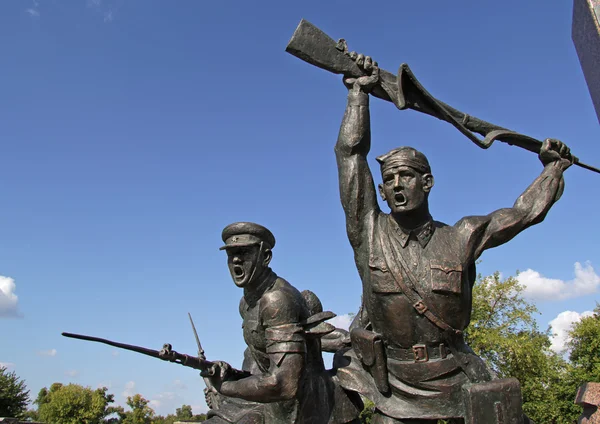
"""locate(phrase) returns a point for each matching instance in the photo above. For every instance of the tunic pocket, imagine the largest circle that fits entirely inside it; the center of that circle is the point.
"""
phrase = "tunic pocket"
(446, 277)
(382, 280)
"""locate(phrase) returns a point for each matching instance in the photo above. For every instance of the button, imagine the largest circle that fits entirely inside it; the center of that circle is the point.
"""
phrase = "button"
(415, 264)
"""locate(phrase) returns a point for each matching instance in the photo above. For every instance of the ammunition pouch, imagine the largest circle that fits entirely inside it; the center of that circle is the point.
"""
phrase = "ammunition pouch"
(493, 402)
(369, 348)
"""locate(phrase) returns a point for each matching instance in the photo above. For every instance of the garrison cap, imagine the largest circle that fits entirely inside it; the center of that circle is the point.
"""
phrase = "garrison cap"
(240, 234)
(406, 156)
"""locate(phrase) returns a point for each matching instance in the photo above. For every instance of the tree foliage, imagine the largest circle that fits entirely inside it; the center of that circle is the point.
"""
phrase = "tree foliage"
(504, 332)
(184, 413)
(140, 412)
(74, 404)
(14, 395)
(584, 345)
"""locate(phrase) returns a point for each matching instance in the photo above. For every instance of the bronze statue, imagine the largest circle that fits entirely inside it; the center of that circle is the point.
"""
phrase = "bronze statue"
(408, 353)
(283, 379)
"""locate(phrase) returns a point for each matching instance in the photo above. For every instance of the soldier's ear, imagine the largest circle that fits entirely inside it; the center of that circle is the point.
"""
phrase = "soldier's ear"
(382, 193)
(268, 256)
(428, 182)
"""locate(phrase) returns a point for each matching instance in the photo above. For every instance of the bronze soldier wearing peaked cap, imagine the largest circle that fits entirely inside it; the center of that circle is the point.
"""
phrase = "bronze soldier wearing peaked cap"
(408, 354)
(283, 379)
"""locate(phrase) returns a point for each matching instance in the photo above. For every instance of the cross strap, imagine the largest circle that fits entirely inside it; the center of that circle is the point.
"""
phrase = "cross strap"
(392, 259)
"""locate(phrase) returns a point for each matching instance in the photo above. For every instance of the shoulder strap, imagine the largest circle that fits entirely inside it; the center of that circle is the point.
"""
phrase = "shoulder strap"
(392, 259)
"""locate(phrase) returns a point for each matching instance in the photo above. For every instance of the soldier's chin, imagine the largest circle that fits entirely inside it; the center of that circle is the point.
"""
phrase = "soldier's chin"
(402, 208)
(240, 280)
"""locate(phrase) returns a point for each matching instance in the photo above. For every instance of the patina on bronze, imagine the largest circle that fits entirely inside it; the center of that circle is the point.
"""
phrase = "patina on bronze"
(408, 353)
(312, 45)
(286, 380)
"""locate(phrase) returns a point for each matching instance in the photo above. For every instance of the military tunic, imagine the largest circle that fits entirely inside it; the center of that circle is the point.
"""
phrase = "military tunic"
(426, 368)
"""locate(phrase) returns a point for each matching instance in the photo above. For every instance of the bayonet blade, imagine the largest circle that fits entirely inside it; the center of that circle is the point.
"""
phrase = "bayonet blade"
(200, 350)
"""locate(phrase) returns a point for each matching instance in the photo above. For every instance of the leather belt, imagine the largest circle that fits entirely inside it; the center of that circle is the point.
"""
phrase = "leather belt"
(418, 353)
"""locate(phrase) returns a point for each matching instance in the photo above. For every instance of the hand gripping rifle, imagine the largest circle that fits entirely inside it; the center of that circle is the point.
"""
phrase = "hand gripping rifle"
(312, 45)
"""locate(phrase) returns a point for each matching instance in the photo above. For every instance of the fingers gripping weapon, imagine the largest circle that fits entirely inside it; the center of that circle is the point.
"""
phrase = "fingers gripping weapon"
(312, 45)
(166, 353)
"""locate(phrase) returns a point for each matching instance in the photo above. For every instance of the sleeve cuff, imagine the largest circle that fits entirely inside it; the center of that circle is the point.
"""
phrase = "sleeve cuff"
(358, 98)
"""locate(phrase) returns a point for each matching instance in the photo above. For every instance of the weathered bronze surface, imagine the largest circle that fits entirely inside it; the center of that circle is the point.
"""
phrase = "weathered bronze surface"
(408, 353)
(286, 380)
(585, 32)
(312, 45)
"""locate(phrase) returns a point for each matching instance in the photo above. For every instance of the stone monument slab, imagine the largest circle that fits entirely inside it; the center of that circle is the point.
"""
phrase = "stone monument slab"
(586, 37)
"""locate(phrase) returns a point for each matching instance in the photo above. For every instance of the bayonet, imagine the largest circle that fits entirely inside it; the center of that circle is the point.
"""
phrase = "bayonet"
(312, 45)
(200, 350)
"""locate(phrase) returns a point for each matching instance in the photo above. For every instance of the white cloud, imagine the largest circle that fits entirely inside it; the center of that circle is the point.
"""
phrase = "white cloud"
(129, 389)
(108, 16)
(50, 352)
(164, 399)
(34, 11)
(537, 286)
(561, 325)
(179, 385)
(342, 321)
(8, 298)
(72, 373)
(7, 365)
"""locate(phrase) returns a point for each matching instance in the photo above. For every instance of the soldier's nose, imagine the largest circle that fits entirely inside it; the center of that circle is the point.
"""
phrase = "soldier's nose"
(237, 260)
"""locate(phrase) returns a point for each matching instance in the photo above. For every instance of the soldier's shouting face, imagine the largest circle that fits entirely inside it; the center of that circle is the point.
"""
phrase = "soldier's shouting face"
(405, 189)
(246, 264)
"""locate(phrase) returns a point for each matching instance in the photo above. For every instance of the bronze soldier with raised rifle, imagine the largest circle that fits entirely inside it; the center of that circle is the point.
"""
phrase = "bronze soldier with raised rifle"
(408, 353)
(283, 378)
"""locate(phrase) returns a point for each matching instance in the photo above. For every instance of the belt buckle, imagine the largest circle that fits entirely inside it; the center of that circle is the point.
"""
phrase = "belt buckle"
(421, 308)
(420, 353)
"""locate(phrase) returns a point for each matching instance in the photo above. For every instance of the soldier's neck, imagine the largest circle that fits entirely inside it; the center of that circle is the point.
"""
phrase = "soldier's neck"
(263, 282)
(413, 219)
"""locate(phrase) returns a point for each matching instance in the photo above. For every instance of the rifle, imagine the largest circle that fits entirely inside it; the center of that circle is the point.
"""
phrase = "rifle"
(166, 353)
(312, 45)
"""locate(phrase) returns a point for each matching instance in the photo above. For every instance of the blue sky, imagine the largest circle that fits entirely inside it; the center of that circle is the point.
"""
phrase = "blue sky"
(133, 131)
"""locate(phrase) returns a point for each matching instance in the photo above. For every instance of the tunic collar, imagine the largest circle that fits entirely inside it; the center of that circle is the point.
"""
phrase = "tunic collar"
(267, 280)
(422, 234)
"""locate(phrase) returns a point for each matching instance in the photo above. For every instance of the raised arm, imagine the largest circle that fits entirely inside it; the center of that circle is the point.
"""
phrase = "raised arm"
(357, 189)
(485, 232)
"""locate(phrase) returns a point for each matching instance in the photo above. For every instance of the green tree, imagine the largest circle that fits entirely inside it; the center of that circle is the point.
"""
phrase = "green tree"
(366, 415)
(184, 413)
(74, 404)
(584, 345)
(140, 412)
(14, 395)
(504, 332)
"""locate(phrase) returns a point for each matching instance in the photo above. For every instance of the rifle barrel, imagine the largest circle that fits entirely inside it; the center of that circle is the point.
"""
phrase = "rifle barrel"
(138, 349)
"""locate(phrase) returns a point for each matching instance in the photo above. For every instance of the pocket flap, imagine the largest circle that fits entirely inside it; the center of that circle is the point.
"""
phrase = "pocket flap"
(445, 266)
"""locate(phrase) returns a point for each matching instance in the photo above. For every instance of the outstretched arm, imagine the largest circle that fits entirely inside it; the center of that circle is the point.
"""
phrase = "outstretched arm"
(357, 189)
(531, 207)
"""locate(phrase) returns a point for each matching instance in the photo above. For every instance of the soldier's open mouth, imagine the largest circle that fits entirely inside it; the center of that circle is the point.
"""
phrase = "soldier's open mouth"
(238, 271)
(399, 199)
